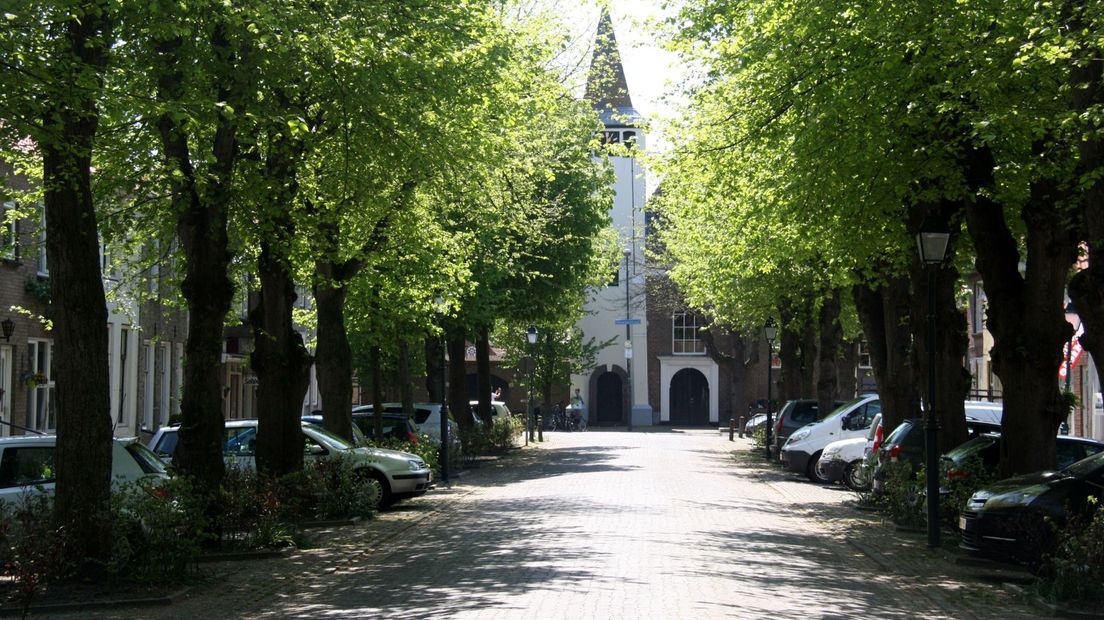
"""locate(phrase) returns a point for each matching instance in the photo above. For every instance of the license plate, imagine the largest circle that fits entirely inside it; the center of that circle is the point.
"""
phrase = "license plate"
(963, 524)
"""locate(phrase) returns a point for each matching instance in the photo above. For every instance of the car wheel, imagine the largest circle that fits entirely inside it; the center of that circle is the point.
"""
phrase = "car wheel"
(813, 472)
(855, 478)
(377, 479)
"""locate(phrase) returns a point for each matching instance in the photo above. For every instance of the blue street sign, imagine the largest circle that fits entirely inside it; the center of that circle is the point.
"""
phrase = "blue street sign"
(626, 321)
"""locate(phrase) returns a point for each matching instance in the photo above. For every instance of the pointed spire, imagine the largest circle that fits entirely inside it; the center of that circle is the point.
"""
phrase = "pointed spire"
(606, 87)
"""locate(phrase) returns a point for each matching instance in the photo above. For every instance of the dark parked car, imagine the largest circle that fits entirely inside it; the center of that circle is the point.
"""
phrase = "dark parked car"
(906, 443)
(755, 423)
(792, 416)
(986, 448)
(1015, 519)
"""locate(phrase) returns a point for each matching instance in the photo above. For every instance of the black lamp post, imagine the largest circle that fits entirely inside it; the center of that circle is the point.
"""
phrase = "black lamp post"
(628, 336)
(8, 326)
(442, 389)
(531, 335)
(770, 331)
(932, 242)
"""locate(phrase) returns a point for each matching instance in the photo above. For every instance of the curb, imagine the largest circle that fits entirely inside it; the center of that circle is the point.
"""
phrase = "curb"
(150, 601)
(1052, 609)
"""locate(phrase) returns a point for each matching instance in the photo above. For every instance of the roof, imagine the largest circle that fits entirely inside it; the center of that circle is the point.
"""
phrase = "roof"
(606, 89)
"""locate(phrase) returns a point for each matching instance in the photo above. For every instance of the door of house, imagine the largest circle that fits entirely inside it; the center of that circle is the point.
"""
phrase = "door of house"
(689, 398)
(609, 409)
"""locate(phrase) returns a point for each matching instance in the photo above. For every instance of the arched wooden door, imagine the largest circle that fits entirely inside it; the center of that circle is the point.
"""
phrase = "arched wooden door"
(608, 408)
(689, 398)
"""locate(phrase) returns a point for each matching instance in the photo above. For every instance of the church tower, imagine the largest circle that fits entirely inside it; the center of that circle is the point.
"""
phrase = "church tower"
(616, 390)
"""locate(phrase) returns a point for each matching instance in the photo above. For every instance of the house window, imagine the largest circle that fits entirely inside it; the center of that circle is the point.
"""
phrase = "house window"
(148, 377)
(166, 381)
(43, 268)
(980, 303)
(685, 338)
(864, 355)
(611, 137)
(41, 414)
(9, 233)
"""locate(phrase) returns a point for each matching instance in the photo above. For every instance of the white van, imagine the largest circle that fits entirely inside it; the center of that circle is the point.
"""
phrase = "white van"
(802, 450)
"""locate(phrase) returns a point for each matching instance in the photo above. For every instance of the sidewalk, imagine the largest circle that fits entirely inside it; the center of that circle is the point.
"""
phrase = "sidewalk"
(949, 580)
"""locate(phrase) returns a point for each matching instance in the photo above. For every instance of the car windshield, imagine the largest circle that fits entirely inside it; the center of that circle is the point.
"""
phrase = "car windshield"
(898, 434)
(1086, 467)
(842, 409)
(145, 458)
(334, 440)
(974, 445)
(167, 443)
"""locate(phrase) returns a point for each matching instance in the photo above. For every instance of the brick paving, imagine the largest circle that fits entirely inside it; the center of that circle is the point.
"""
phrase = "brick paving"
(663, 524)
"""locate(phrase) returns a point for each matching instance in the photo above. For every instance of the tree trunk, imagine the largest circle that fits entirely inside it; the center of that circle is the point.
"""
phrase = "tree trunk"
(282, 365)
(201, 226)
(334, 356)
(80, 365)
(376, 361)
(883, 313)
(435, 369)
(406, 386)
(848, 361)
(808, 357)
(458, 380)
(952, 379)
(1025, 313)
(831, 340)
(789, 353)
(483, 374)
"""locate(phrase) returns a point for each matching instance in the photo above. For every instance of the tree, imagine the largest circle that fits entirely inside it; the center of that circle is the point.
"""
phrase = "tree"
(852, 124)
(55, 56)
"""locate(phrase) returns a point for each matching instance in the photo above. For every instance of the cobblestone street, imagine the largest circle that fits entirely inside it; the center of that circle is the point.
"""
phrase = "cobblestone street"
(664, 524)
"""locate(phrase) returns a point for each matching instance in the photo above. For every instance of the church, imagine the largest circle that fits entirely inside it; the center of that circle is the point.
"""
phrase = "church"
(659, 368)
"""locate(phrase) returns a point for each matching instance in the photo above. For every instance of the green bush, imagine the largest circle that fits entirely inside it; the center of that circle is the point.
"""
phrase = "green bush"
(158, 530)
(759, 437)
(902, 499)
(32, 551)
(972, 475)
(504, 433)
(1074, 570)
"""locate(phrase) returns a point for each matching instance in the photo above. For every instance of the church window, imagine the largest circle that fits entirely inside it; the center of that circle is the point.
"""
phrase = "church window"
(685, 338)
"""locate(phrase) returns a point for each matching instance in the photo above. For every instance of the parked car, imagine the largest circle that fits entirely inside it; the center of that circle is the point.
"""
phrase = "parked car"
(395, 426)
(906, 443)
(427, 417)
(792, 416)
(499, 410)
(754, 423)
(986, 449)
(843, 460)
(802, 450)
(1015, 519)
(400, 474)
(27, 465)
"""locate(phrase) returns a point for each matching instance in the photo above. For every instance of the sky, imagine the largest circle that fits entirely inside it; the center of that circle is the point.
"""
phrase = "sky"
(650, 71)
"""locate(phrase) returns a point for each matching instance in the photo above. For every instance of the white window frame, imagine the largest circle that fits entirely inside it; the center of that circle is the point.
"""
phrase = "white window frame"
(6, 353)
(166, 382)
(863, 351)
(149, 372)
(40, 397)
(178, 374)
(9, 233)
(682, 324)
(40, 261)
(980, 302)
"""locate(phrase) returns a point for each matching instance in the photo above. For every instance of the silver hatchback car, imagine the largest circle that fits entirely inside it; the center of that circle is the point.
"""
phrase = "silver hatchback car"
(400, 474)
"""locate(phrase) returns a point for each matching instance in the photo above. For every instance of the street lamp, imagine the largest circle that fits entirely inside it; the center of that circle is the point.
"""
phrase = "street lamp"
(932, 243)
(628, 338)
(770, 331)
(531, 336)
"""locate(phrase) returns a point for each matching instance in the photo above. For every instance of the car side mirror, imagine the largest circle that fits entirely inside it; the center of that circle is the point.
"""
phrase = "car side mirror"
(316, 450)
